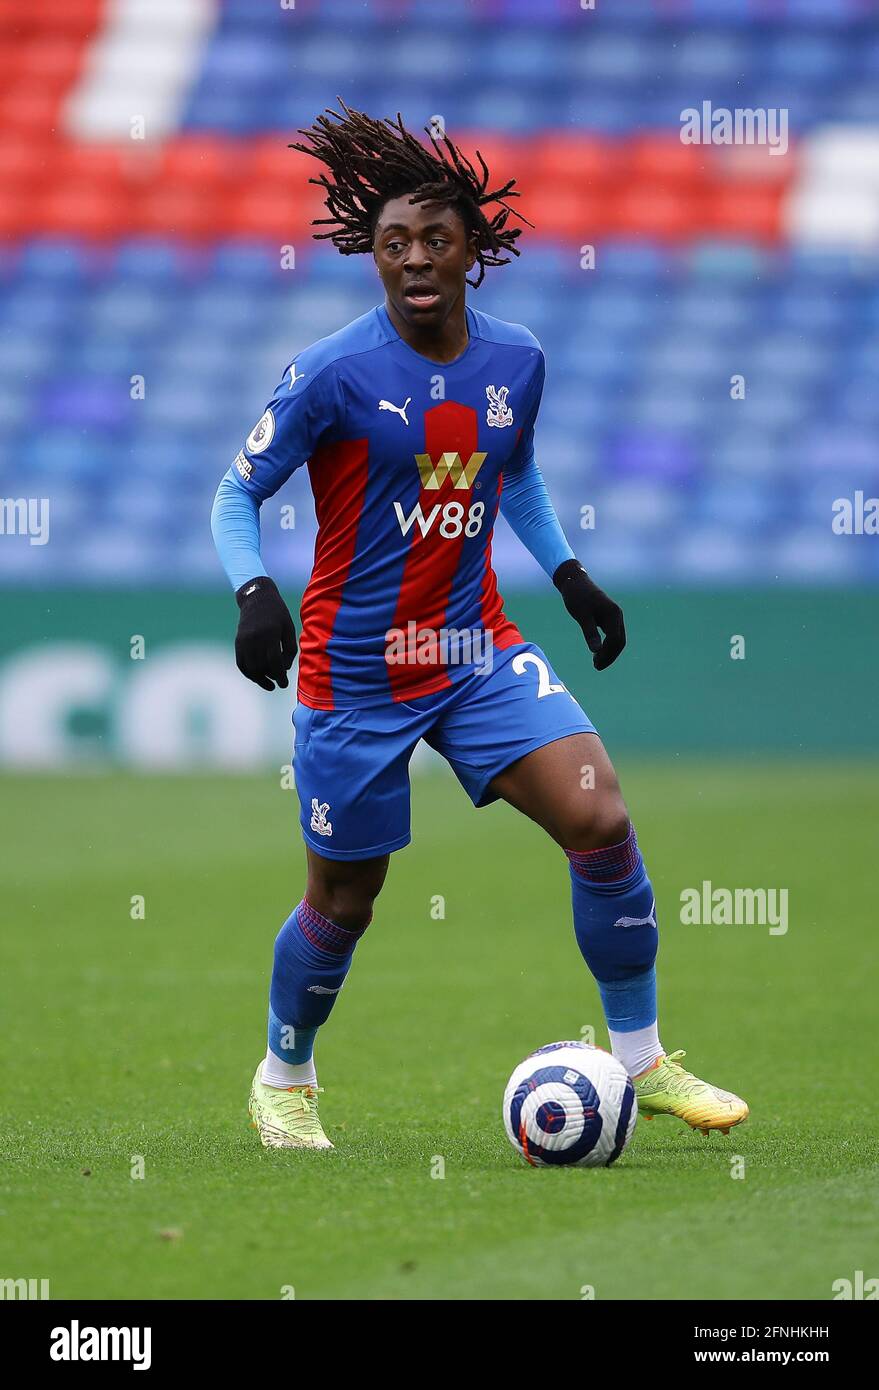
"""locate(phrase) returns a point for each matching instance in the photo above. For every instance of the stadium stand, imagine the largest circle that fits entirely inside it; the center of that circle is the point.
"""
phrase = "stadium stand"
(159, 258)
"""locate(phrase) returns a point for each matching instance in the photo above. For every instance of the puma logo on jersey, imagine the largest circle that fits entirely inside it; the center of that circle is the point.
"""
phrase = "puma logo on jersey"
(450, 465)
(397, 409)
(293, 377)
(648, 921)
(498, 413)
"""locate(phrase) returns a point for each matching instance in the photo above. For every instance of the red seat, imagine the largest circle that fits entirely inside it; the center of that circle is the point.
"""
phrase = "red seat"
(574, 160)
(749, 210)
(16, 216)
(658, 211)
(23, 160)
(754, 164)
(10, 49)
(269, 158)
(29, 106)
(269, 210)
(52, 17)
(99, 163)
(206, 160)
(73, 209)
(179, 209)
(662, 158)
(54, 60)
(574, 214)
(505, 156)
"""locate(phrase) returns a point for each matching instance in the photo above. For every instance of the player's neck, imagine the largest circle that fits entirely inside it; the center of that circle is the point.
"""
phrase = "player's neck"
(441, 343)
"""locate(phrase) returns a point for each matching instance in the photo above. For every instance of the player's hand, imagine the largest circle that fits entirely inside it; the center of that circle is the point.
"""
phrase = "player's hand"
(265, 644)
(592, 609)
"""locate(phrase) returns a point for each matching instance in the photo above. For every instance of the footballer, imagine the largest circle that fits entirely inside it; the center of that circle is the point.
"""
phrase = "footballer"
(416, 422)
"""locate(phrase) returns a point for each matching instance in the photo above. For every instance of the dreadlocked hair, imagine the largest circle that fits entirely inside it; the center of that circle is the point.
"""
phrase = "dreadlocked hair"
(372, 161)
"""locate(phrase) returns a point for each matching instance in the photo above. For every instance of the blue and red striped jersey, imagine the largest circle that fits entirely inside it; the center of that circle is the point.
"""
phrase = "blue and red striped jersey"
(406, 459)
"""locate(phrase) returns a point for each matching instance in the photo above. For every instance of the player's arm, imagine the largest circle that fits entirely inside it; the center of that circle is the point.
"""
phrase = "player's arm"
(527, 507)
(287, 434)
(265, 643)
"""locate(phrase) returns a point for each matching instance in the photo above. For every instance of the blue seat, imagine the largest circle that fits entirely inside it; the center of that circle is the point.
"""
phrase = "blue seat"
(413, 60)
(859, 104)
(336, 58)
(25, 357)
(334, 15)
(523, 55)
(255, 264)
(867, 55)
(830, 12)
(502, 107)
(712, 312)
(724, 13)
(616, 309)
(120, 304)
(600, 56)
(14, 411)
(813, 57)
(641, 260)
(243, 60)
(43, 309)
(228, 108)
(239, 13)
(716, 56)
(160, 260)
(56, 261)
(556, 12)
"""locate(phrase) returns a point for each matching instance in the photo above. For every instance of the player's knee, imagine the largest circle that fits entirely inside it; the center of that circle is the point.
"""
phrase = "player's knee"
(349, 905)
(596, 822)
(345, 893)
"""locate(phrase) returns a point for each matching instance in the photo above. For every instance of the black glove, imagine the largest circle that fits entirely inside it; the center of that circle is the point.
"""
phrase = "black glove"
(265, 644)
(592, 609)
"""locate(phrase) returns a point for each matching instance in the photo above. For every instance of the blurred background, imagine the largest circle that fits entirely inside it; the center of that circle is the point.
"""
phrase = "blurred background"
(710, 316)
(710, 427)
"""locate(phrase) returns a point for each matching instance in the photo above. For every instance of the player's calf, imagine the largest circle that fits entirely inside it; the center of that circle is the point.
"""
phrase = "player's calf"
(616, 929)
(312, 958)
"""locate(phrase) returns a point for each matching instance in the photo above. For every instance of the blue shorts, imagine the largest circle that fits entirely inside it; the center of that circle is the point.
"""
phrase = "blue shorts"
(352, 765)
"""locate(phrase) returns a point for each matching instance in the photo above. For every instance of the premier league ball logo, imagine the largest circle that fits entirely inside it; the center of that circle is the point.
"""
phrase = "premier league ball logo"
(262, 434)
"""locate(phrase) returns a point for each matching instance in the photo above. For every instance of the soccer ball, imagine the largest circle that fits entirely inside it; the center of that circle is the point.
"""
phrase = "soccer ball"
(570, 1103)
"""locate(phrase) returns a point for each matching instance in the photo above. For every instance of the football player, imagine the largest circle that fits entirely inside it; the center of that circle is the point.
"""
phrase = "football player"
(416, 422)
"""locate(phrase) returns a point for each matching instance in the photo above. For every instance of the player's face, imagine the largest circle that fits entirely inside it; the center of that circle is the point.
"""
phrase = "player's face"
(423, 254)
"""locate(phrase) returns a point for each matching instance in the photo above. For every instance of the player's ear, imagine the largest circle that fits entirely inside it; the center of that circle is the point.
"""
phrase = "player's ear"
(470, 258)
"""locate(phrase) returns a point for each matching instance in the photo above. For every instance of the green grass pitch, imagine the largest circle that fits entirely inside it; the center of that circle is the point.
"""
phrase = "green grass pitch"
(126, 1038)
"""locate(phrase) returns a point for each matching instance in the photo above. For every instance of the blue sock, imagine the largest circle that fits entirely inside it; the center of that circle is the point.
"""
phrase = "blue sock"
(615, 926)
(312, 958)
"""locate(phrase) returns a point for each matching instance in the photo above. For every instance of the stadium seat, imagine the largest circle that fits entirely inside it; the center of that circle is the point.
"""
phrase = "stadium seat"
(153, 256)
